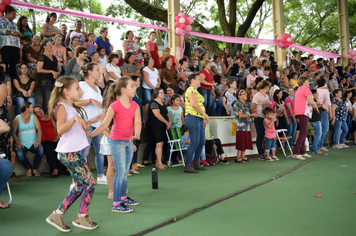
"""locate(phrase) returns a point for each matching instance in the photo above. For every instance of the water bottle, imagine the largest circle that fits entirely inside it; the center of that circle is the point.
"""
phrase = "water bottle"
(154, 178)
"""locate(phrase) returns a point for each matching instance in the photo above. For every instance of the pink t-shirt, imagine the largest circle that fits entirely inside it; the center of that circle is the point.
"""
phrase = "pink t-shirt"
(291, 101)
(261, 102)
(271, 131)
(271, 103)
(250, 78)
(59, 53)
(324, 94)
(301, 100)
(124, 119)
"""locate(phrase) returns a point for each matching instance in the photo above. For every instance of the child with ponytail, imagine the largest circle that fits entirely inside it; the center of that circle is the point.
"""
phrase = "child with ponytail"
(126, 128)
(70, 125)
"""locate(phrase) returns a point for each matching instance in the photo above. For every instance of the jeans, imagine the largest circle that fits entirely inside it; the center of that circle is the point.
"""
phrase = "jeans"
(62, 69)
(121, 152)
(147, 95)
(47, 87)
(83, 178)
(21, 154)
(317, 137)
(219, 105)
(5, 173)
(349, 123)
(324, 127)
(11, 56)
(292, 129)
(339, 124)
(270, 144)
(282, 123)
(208, 100)
(260, 129)
(19, 100)
(197, 137)
(99, 158)
(300, 144)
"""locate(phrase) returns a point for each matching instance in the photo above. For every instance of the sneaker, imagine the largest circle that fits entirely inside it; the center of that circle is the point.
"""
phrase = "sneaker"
(84, 222)
(130, 202)
(343, 145)
(269, 159)
(121, 208)
(57, 220)
(275, 158)
(2, 155)
(71, 187)
(337, 146)
(323, 149)
(102, 180)
(224, 162)
(204, 163)
(262, 158)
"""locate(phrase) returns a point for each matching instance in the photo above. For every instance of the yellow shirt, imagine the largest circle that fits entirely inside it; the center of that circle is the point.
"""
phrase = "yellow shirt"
(200, 101)
(293, 82)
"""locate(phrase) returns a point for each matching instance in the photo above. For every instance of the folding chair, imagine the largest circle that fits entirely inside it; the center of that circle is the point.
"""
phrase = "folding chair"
(174, 137)
(285, 140)
(7, 185)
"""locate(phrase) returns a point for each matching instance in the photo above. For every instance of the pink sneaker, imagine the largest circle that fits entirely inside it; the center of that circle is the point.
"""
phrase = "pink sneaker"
(204, 163)
(110, 196)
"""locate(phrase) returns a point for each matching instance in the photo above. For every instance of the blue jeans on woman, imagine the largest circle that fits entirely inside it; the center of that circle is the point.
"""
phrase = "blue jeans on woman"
(324, 127)
(99, 158)
(317, 136)
(19, 100)
(208, 100)
(197, 137)
(260, 129)
(218, 104)
(340, 125)
(292, 129)
(121, 151)
(5, 173)
(147, 95)
(21, 154)
(349, 123)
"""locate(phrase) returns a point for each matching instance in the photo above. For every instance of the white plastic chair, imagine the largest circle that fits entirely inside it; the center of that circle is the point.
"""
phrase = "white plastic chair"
(7, 186)
(284, 138)
(173, 149)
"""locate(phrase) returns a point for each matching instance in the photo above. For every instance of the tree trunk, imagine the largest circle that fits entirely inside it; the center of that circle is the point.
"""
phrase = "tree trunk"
(33, 16)
(243, 28)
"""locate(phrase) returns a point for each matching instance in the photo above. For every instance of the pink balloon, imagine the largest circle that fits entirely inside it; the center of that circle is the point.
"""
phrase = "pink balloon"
(292, 41)
(350, 51)
(177, 18)
(2, 7)
(182, 26)
(349, 56)
(179, 31)
(284, 40)
(280, 36)
(6, 2)
(281, 45)
(354, 58)
(188, 28)
(191, 19)
(185, 17)
(354, 53)
(287, 35)
(181, 14)
(182, 20)
(177, 24)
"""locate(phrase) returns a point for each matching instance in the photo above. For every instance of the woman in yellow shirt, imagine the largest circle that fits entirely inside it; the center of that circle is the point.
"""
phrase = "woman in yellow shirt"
(293, 82)
(195, 116)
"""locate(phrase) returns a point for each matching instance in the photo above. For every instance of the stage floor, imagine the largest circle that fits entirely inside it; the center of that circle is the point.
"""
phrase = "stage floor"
(284, 206)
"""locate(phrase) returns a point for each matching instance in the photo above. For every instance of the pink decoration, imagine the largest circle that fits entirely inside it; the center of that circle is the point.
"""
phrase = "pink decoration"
(6, 2)
(179, 31)
(181, 20)
(191, 20)
(182, 26)
(188, 28)
(285, 40)
(354, 58)
(352, 54)
(177, 24)
(318, 196)
(2, 7)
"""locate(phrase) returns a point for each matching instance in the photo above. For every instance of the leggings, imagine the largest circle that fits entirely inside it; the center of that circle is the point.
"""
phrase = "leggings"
(300, 145)
(85, 183)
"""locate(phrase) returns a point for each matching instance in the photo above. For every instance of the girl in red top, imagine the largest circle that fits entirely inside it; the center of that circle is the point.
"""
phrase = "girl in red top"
(152, 49)
(127, 127)
(206, 86)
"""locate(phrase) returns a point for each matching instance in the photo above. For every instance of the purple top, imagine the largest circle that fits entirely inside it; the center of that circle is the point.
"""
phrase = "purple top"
(74, 140)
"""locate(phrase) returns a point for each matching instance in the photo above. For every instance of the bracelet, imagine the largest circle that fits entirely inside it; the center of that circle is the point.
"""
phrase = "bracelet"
(12, 32)
(89, 100)
(334, 118)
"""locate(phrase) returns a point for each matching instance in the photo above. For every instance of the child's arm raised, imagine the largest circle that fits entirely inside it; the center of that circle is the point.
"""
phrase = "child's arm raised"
(269, 125)
(63, 125)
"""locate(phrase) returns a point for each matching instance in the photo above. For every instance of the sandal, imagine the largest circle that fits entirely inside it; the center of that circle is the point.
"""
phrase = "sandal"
(29, 173)
(129, 175)
(3, 205)
(139, 165)
(306, 155)
(160, 167)
(132, 171)
(246, 159)
(299, 157)
(240, 160)
(36, 174)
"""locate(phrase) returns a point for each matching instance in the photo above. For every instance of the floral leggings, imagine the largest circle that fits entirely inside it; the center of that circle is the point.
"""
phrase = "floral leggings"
(85, 183)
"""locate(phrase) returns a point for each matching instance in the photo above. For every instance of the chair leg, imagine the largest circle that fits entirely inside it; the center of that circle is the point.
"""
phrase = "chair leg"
(9, 191)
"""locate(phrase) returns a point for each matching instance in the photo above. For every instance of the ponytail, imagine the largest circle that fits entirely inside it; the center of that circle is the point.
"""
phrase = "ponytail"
(188, 81)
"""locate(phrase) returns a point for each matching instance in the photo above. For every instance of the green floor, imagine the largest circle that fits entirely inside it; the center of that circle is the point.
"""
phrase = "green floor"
(285, 206)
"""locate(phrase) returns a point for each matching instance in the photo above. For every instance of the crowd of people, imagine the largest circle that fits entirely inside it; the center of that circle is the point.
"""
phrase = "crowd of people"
(94, 96)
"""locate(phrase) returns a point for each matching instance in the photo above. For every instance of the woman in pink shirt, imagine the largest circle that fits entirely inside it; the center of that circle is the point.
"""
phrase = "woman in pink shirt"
(324, 95)
(126, 128)
(303, 112)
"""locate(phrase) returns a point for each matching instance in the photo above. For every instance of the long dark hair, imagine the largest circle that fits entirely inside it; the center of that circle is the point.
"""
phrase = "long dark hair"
(225, 61)
(275, 97)
(20, 26)
(49, 16)
(189, 80)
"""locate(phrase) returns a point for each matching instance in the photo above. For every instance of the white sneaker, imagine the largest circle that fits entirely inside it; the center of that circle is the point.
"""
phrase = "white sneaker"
(343, 145)
(71, 186)
(337, 146)
(102, 180)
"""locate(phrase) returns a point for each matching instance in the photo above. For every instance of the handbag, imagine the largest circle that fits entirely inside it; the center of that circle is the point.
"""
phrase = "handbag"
(211, 159)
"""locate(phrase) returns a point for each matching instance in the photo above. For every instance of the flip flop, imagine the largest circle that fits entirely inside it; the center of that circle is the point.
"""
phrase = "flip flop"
(3, 203)
(29, 174)
(134, 172)
(36, 174)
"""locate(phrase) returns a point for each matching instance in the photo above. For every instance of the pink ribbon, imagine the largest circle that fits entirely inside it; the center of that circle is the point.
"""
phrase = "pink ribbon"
(228, 39)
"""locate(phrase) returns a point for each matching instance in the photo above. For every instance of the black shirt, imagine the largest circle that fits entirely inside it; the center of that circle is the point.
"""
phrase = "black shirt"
(153, 121)
(48, 64)
(316, 116)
